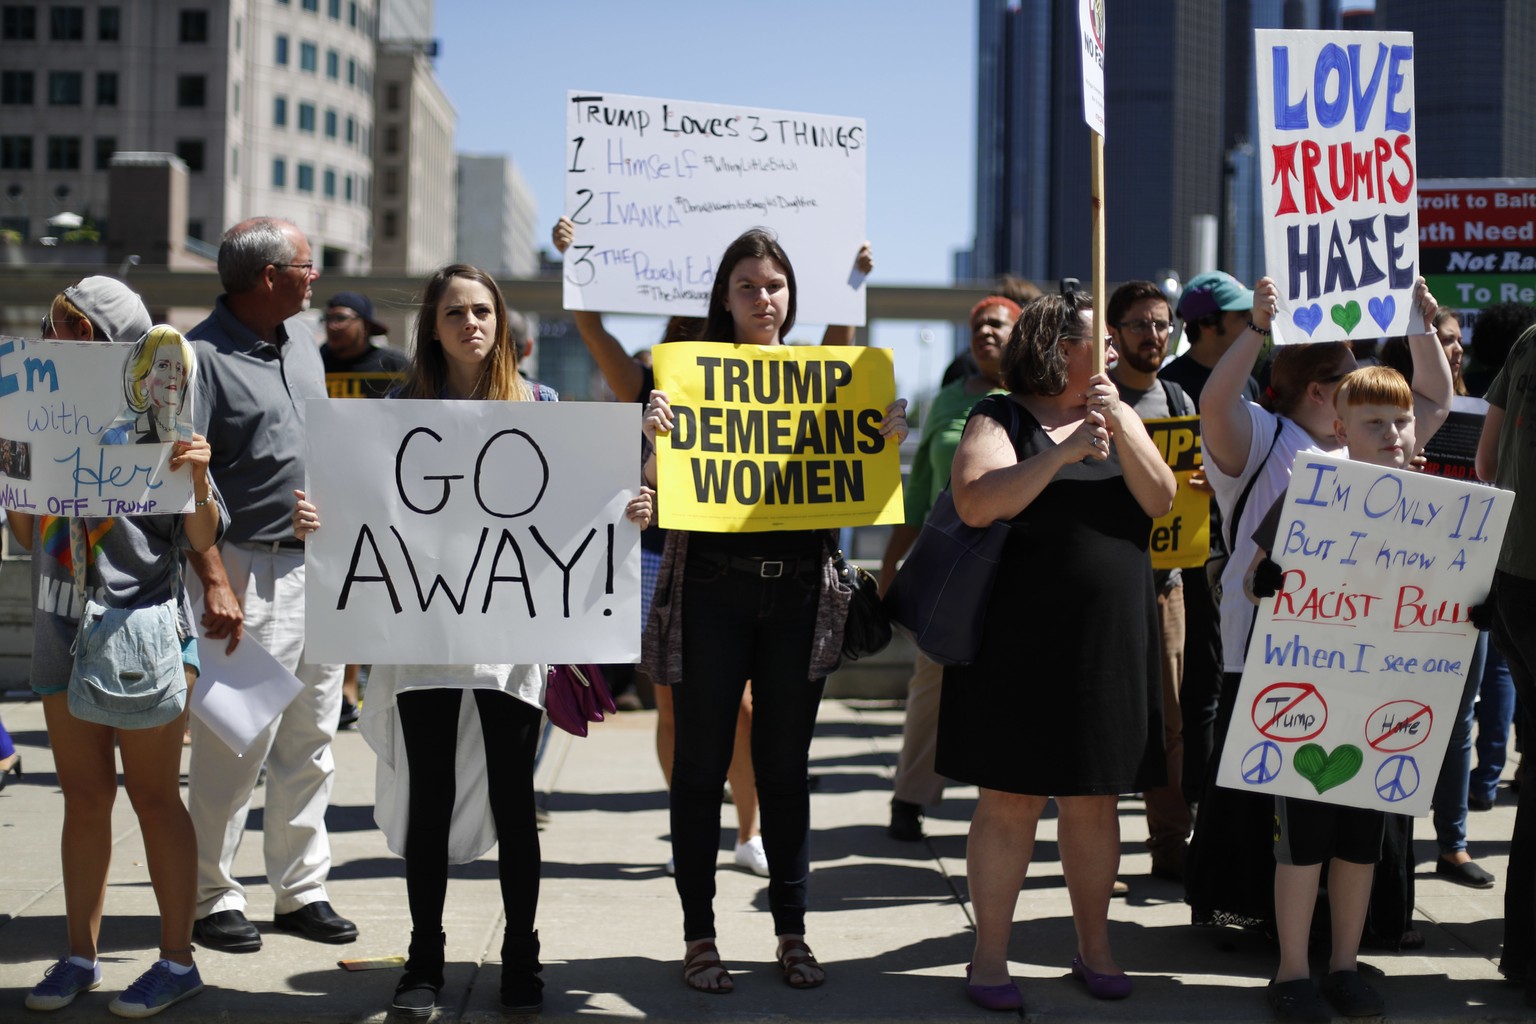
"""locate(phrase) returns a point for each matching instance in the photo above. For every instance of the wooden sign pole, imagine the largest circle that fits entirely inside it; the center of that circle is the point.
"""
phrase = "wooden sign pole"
(1099, 327)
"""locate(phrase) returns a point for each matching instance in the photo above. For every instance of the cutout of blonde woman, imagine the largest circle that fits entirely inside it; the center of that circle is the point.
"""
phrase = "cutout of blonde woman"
(157, 383)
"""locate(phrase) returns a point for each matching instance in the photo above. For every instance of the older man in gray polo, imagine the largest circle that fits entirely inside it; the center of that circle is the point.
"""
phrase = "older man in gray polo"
(256, 368)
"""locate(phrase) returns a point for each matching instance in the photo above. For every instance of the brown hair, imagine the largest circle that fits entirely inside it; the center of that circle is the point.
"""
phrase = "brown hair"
(63, 311)
(1033, 362)
(1373, 385)
(1018, 289)
(683, 328)
(428, 373)
(1297, 366)
(1130, 293)
(754, 243)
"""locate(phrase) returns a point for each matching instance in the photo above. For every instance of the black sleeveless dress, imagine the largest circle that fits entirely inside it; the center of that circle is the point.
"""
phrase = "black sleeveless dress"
(1066, 696)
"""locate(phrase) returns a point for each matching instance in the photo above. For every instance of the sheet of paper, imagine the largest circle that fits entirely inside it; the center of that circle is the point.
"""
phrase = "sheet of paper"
(240, 694)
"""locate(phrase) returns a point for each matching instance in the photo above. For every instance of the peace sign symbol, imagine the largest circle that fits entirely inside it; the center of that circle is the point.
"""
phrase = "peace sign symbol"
(1262, 763)
(1397, 779)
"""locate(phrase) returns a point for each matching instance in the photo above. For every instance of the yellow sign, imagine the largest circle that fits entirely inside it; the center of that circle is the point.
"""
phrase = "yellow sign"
(1182, 538)
(368, 384)
(769, 437)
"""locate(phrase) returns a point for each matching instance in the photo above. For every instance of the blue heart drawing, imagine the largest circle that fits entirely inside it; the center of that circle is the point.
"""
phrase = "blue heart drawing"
(1308, 317)
(1383, 310)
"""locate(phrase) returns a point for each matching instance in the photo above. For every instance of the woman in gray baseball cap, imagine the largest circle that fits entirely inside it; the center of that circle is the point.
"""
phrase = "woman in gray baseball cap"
(122, 562)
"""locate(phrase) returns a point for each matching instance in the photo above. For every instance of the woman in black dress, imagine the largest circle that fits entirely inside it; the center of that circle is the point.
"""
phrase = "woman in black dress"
(1064, 699)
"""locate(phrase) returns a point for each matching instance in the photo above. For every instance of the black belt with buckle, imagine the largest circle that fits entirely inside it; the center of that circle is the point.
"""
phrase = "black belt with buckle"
(764, 568)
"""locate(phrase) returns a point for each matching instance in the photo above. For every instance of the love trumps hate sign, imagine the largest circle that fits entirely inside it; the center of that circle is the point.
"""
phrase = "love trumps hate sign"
(461, 533)
(1339, 165)
(86, 428)
(1355, 667)
(775, 437)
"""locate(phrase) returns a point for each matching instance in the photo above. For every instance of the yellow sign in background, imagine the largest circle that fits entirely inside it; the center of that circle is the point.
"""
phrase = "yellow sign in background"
(773, 437)
(1182, 538)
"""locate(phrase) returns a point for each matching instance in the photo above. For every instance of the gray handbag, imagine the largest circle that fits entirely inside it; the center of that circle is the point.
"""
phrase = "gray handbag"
(127, 671)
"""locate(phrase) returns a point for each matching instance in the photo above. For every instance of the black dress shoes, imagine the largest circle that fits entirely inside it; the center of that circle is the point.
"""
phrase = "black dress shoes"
(228, 931)
(317, 921)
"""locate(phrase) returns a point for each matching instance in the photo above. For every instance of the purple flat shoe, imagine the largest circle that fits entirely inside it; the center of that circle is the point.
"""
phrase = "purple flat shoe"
(1101, 986)
(993, 997)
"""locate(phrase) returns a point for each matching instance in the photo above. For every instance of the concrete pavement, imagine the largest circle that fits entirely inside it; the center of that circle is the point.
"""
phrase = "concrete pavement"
(889, 920)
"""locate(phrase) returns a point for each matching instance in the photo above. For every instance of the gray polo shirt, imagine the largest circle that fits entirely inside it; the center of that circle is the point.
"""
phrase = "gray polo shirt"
(250, 406)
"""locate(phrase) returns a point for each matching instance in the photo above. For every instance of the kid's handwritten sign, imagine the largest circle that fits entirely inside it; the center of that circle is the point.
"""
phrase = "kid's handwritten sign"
(1340, 166)
(73, 438)
(463, 533)
(774, 437)
(1182, 538)
(658, 188)
(1356, 665)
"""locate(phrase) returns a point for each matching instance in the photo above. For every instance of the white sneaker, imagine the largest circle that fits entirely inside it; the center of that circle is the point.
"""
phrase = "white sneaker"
(750, 855)
(671, 868)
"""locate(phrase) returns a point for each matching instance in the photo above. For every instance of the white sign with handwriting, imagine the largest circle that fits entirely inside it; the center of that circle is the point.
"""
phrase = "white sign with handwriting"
(82, 426)
(1355, 668)
(462, 533)
(657, 189)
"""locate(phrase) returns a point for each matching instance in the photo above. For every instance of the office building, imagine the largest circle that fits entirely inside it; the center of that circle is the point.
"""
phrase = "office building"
(269, 103)
(1476, 84)
(498, 220)
(416, 204)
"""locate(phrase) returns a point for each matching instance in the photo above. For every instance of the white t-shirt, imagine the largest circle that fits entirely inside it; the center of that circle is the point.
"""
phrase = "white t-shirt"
(471, 830)
(1274, 477)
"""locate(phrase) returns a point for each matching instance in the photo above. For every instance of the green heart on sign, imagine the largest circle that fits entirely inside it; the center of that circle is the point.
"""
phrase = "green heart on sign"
(1347, 315)
(1325, 770)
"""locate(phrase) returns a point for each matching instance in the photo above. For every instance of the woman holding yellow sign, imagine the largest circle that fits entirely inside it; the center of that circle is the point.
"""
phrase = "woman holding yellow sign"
(736, 606)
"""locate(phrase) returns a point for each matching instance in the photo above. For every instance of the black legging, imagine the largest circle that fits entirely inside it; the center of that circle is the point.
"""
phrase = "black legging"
(738, 627)
(429, 721)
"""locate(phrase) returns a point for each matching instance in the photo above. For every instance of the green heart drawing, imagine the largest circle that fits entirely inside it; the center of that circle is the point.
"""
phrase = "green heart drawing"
(1325, 770)
(1347, 315)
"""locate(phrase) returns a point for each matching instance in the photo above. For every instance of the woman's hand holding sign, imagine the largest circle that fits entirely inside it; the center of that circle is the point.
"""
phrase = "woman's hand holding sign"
(1427, 305)
(895, 422)
(658, 416)
(1266, 303)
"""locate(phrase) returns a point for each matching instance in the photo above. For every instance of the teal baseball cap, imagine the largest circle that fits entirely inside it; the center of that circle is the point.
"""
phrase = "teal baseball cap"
(1212, 292)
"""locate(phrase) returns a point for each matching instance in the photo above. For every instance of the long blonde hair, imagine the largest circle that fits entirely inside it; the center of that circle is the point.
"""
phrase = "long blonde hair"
(499, 380)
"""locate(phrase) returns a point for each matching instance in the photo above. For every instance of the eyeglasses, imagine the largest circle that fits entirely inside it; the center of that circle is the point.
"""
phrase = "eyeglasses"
(1335, 378)
(341, 318)
(1145, 326)
(51, 324)
(306, 267)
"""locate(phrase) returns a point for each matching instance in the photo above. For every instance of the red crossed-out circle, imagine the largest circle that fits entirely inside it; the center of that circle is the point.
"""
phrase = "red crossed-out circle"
(1299, 698)
(1404, 712)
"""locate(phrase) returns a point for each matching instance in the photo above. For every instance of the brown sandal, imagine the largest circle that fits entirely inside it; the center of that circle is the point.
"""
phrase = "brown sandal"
(706, 957)
(795, 958)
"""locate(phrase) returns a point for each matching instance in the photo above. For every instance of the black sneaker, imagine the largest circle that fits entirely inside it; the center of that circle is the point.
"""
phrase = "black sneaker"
(1351, 996)
(906, 821)
(348, 716)
(414, 1000)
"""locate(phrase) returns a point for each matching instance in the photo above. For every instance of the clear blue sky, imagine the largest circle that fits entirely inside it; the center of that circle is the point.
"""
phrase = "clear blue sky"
(906, 66)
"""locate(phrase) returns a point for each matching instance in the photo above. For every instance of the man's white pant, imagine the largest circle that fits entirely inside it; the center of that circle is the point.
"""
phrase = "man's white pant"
(296, 749)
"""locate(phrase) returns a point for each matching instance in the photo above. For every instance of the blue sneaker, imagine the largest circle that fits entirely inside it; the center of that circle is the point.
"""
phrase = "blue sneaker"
(156, 989)
(61, 983)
